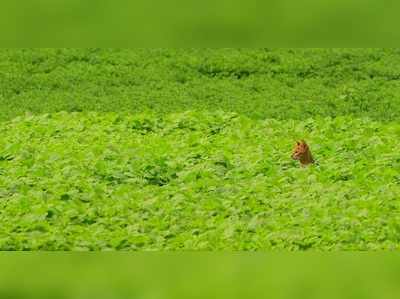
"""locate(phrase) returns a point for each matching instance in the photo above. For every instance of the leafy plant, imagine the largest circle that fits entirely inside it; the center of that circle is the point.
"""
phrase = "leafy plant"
(259, 83)
(196, 180)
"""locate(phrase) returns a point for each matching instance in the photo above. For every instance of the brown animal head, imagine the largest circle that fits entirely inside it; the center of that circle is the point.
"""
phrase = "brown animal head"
(302, 153)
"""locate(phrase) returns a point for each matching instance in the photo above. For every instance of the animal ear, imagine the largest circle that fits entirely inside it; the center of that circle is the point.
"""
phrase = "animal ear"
(298, 142)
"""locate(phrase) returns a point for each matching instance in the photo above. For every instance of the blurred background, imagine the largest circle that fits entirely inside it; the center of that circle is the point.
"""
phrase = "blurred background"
(199, 275)
(123, 23)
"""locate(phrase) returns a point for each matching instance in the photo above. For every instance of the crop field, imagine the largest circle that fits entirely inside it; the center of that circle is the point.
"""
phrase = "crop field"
(167, 149)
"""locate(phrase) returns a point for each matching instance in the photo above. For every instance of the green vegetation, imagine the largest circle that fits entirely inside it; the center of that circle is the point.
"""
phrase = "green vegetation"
(72, 181)
(116, 149)
(259, 83)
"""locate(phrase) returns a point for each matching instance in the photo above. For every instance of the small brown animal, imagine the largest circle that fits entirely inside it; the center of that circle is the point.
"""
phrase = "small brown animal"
(302, 153)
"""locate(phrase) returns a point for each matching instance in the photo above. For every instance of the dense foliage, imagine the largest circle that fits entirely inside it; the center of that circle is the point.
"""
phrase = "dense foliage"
(124, 149)
(197, 180)
(259, 83)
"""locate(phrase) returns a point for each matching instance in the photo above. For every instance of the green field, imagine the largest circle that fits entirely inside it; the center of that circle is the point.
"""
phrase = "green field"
(163, 149)
(259, 83)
